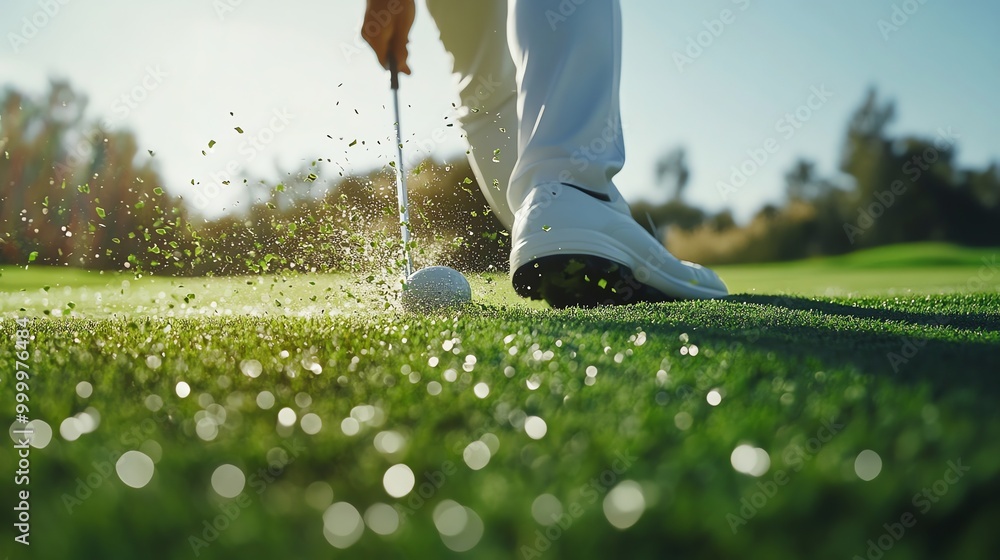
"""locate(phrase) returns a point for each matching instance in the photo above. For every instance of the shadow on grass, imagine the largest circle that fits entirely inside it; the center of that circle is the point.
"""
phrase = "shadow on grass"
(951, 350)
(972, 321)
(897, 342)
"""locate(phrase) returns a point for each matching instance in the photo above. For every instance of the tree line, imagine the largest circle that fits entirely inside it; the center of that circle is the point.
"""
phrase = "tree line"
(888, 189)
(76, 194)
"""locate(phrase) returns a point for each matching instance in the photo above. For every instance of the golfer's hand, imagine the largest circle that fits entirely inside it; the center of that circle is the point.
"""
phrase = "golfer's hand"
(387, 28)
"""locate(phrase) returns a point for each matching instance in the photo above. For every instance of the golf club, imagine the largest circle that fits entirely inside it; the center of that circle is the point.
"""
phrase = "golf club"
(401, 193)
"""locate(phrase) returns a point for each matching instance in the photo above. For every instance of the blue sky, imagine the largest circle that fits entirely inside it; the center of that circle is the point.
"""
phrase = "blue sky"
(294, 72)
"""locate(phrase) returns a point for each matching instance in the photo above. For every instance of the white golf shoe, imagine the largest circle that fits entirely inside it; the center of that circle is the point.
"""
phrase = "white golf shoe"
(572, 247)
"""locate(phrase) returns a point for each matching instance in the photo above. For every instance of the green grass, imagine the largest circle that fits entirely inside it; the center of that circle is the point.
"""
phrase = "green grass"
(918, 268)
(813, 380)
(13, 278)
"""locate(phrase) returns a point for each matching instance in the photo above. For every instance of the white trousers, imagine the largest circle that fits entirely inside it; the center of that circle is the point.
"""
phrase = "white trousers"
(538, 81)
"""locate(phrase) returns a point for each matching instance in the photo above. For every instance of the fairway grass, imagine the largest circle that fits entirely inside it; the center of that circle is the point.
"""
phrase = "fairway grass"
(913, 269)
(828, 410)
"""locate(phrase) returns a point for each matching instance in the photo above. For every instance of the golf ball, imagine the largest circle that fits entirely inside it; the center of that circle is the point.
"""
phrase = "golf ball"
(435, 287)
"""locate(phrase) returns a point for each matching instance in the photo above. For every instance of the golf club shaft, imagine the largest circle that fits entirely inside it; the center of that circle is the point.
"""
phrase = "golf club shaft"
(401, 192)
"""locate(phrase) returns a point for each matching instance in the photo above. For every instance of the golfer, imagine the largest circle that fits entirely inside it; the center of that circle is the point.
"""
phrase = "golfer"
(539, 79)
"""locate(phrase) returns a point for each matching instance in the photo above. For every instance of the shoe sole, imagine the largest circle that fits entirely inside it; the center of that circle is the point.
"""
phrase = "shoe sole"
(580, 280)
(591, 268)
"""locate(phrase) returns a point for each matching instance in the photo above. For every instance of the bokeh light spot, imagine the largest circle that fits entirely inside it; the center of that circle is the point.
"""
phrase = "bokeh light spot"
(398, 480)
(535, 427)
(135, 469)
(342, 525)
(228, 481)
(868, 465)
(624, 504)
